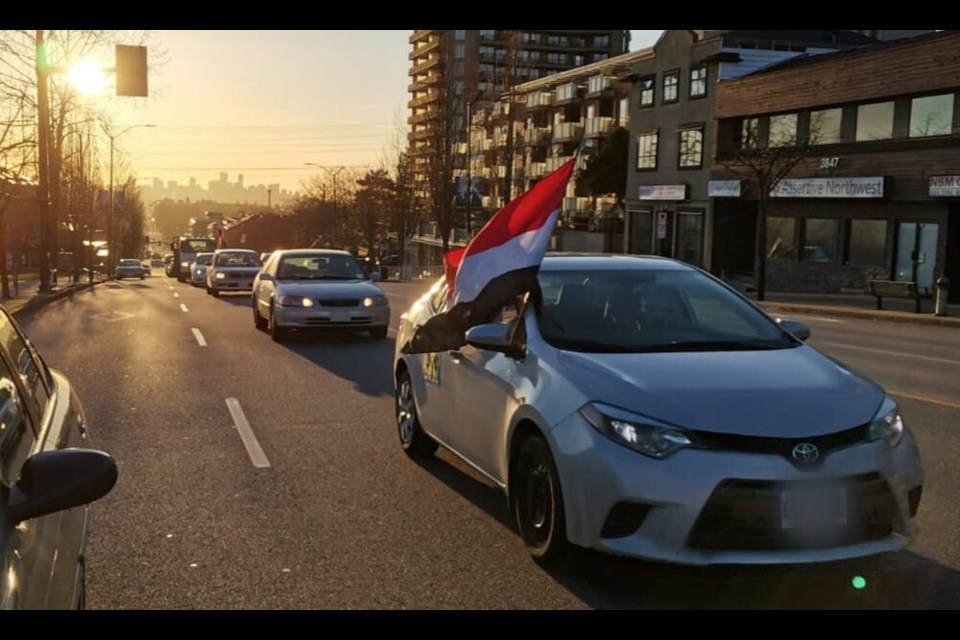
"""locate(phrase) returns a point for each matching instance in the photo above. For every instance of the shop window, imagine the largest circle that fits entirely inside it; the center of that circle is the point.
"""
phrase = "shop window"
(867, 243)
(819, 240)
(931, 116)
(825, 126)
(780, 237)
(783, 130)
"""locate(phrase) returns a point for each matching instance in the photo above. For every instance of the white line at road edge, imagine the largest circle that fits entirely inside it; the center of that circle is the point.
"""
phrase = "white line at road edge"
(257, 456)
(199, 337)
(183, 307)
(892, 353)
(176, 295)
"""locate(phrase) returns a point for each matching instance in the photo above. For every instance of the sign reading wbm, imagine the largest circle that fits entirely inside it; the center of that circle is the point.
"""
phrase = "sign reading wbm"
(829, 188)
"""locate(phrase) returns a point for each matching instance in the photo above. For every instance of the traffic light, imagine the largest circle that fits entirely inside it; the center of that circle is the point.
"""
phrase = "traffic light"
(131, 71)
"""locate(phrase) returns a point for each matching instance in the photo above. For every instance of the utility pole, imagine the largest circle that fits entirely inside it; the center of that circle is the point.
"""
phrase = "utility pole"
(43, 152)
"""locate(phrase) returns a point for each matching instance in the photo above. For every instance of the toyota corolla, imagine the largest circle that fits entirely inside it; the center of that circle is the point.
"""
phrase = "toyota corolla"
(641, 407)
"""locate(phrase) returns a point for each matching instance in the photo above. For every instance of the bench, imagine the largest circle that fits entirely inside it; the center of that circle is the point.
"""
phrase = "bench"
(896, 289)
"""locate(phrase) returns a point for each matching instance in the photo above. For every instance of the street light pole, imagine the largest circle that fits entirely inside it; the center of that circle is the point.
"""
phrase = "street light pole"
(111, 251)
(43, 154)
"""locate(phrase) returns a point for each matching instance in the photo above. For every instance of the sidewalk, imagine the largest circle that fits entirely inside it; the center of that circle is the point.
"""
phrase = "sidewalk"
(30, 298)
(859, 306)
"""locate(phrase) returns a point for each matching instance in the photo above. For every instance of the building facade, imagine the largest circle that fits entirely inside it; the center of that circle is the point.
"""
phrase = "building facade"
(669, 208)
(876, 193)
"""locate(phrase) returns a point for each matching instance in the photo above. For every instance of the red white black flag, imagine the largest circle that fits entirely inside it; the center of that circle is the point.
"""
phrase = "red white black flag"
(500, 262)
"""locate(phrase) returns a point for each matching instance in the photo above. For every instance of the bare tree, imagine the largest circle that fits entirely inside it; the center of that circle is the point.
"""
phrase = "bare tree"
(763, 162)
(16, 147)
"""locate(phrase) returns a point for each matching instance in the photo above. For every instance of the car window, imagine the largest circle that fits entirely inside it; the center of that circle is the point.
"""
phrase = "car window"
(320, 267)
(438, 299)
(17, 436)
(30, 367)
(238, 260)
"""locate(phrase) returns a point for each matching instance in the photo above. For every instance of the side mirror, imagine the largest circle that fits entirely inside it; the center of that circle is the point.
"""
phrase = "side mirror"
(266, 277)
(52, 481)
(493, 337)
(797, 328)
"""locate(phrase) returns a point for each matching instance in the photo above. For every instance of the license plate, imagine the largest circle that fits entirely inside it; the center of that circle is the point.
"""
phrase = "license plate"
(813, 508)
(340, 316)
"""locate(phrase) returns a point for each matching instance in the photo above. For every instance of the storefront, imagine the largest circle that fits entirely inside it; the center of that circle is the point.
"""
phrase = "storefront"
(665, 222)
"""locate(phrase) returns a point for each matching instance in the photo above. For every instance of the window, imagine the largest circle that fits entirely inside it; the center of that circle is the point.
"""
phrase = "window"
(819, 240)
(33, 373)
(16, 433)
(698, 82)
(647, 150)
(750, 133)
(875, 121)
(691, 148)
(671, 86)
(648, 87)
(825, 126)
(867, 243)
(780, 237)
(931, 116)
(459, 34)
(624, 112)
(459, 50)
(783, 130)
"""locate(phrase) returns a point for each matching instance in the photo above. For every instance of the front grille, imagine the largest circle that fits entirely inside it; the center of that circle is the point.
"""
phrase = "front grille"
(624, 519)
(339, 303)
(745, 515)
(327, 321)
(826, 444)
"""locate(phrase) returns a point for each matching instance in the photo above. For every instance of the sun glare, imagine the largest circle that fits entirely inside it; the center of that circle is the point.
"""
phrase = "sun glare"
(87, 77)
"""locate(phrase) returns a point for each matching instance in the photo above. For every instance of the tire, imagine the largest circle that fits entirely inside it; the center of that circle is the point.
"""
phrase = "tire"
(214, 293)
(258, 321)
(415, 442)
(538, 502)
(81, 604)
(279, 334)
(378, 333)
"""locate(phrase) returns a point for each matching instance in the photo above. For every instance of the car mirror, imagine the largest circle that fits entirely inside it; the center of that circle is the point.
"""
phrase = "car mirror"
(51, 481)
(266, 277)
(492, 337)
(797, 328)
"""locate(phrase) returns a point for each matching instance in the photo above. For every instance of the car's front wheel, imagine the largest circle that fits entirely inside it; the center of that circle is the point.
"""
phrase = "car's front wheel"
(415, 442)
(258, 320)
(278, 333)
(538, 501)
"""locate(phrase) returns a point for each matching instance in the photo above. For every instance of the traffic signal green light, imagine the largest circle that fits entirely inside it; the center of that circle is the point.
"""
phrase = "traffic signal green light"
(131, 71)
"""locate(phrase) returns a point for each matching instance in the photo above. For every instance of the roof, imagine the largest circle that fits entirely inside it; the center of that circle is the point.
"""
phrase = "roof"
(809, 37)
(337, 252)
(559, 261)
(613, 66)
(807, 59)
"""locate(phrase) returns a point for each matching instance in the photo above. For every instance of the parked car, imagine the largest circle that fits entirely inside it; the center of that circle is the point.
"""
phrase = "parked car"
(644, 408)
(232, 270)
(49, 475)
(318, 289)
(129, 268)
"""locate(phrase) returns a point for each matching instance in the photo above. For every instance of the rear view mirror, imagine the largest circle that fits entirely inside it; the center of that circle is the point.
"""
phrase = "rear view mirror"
(52, 481)
(797, 328)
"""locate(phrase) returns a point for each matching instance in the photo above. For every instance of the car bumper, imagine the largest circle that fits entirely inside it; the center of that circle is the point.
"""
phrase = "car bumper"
(320, 317)
(701, 507)
(129, 274)
(231, 285)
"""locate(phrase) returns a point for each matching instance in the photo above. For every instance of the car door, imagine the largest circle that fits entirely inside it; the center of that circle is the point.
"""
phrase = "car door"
(433, 387)
(45, 550)
(489, 387)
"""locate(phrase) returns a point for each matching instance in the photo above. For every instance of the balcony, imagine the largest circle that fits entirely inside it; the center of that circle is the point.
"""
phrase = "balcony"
(427, 98)
(492, 202)
(537, 136)
(539, 99)
(423, 66)
(501, 109)
(576, 206)
(501, 171)
(565, 93)
(599, 84)
(500, 140)
(599, 126)
(567, 131)
(555, 163)
(536, 169)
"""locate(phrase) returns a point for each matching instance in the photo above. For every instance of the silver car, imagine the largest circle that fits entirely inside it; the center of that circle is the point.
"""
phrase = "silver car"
(129, 268)
(641, 407)
(198, 269)
(318, 289)
(232, 270)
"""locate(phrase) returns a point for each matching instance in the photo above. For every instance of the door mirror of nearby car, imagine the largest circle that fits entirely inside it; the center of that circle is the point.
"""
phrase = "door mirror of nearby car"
(52, 481)
(495, 336)
(266, 277)
(797, 328)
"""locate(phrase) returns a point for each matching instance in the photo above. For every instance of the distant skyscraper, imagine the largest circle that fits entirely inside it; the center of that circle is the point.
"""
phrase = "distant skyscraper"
(193, 183)
(240, 180)
(223, 176)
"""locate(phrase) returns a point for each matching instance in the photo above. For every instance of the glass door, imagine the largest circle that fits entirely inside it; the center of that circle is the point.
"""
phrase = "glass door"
(641, 232)
(917, 253)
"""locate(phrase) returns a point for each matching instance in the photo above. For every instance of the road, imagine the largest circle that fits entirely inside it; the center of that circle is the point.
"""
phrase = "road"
(255, 475)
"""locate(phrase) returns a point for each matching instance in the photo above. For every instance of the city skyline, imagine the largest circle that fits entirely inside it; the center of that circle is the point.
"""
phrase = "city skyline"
(212, 114)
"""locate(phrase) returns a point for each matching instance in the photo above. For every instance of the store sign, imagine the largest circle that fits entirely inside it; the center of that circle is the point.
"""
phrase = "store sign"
(829, 188)
(723, 189)
(945, 186)
(676, 192)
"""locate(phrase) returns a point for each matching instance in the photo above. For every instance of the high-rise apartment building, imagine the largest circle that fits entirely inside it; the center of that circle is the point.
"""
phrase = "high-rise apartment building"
(455, 71)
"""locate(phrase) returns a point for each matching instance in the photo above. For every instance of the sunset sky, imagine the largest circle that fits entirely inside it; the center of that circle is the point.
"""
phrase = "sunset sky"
(263, 103)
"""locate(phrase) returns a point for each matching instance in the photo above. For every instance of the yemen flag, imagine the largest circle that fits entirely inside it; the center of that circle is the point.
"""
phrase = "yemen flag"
(501, 262)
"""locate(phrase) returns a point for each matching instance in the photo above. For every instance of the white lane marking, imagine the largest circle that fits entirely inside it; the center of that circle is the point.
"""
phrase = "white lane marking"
(171, 287)
(176, 295)
(199, 337)
(257, 456)
(183, 307)
(892, 353)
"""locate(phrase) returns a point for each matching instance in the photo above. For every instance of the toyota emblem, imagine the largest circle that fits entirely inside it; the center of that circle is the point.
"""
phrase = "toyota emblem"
(805, 453)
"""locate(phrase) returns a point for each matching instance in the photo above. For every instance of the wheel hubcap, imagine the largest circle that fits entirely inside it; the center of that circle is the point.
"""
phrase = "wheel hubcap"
(405, 411)
(538, 503)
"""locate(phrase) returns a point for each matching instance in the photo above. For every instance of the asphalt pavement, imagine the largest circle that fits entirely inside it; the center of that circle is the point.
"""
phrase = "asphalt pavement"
(256, 475)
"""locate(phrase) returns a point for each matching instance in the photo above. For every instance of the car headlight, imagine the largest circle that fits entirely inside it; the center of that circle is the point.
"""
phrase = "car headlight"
(887, 424)
(185, 265)
(375, 301)
(640, 433)
(295, 301)
(219, 275)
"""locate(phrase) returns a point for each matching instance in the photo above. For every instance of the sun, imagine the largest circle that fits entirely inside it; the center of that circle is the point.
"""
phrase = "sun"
(87, 77)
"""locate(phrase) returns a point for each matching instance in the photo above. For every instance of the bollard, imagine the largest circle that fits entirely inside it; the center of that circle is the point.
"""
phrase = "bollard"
(943, 295)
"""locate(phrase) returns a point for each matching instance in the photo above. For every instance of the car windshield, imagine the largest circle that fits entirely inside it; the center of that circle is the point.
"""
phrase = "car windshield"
(238, 259)
(320, 267)
(130, 263)
(644, 311)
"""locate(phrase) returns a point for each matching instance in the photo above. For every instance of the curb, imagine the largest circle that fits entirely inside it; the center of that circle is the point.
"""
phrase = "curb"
(39, 301)
(863, 314)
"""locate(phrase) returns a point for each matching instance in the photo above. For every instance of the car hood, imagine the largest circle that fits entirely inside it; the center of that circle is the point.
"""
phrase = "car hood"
(787, 393)
(330, 289)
